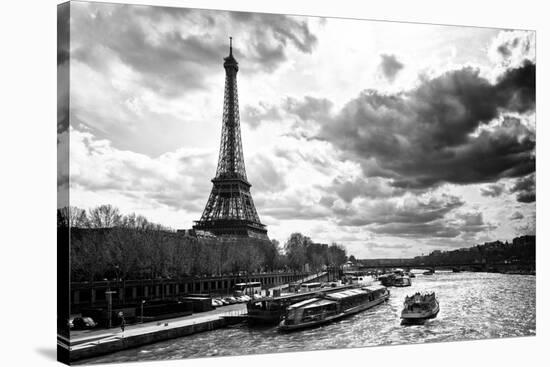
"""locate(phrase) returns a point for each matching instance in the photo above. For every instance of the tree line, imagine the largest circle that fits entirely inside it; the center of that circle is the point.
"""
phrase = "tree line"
(106, 244)
(520, 250)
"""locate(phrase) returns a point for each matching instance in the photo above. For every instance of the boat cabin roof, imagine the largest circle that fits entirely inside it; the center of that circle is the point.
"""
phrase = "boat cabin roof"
(374, 288)
(345, 294)
(319, 303)
(303, 303)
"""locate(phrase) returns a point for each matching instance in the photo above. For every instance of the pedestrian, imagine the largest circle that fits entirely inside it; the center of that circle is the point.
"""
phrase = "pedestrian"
(122, 324)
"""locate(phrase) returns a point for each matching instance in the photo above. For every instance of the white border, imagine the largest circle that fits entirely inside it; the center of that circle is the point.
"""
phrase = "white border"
(27, 306)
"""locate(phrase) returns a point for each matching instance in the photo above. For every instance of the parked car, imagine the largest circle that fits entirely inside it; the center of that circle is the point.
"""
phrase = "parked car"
(83, 323)
(230, 300)
(223, 301)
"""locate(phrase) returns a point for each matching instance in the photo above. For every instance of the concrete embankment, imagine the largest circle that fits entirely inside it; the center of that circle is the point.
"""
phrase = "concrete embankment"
(96, 344)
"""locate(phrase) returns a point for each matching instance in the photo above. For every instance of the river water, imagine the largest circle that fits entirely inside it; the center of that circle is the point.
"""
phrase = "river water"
(473, 306)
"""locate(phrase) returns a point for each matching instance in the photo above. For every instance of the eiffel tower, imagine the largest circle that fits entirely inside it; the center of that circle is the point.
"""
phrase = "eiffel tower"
(230, 210)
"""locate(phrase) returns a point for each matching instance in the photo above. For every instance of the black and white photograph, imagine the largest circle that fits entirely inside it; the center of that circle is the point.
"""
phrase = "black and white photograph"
(238, 183)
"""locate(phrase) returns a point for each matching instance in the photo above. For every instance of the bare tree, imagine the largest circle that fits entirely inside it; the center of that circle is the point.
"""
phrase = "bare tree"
(104, 216)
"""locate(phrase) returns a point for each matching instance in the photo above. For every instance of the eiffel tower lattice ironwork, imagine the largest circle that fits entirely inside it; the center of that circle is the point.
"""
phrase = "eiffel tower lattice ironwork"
(230, 209)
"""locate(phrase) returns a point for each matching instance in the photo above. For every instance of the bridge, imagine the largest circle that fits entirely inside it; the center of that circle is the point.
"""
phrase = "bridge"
(372, 265)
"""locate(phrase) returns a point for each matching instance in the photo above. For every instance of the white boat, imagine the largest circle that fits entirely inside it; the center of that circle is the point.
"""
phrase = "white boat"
(420, 307)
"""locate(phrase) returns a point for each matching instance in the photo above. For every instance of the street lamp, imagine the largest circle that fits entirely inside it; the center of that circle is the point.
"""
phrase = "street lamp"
(109, 306)
(142, 303)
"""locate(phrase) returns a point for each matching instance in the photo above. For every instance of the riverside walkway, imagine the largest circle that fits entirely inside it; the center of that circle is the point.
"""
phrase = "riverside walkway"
(89, 343)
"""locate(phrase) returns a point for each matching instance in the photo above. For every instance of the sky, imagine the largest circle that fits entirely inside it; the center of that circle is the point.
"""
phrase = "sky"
(392, 139)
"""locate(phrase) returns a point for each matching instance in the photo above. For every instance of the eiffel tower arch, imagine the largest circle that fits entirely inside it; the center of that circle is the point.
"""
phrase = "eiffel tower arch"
(230, 210)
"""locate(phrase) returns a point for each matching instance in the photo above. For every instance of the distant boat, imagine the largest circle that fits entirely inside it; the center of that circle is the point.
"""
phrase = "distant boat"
(331, 307)
(386, 279)
(428, 272)
(394, 280)
(419, 307)
(403, 281)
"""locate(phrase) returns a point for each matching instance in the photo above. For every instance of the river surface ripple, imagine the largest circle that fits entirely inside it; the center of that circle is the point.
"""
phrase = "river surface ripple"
(473, 306)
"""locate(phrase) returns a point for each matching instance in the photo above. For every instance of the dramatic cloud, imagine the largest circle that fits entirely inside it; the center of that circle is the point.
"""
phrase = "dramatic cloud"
(516, 216)
(525, 189)
(268, 28)
(390, 66)
(374, 187)
(399, 167)
(412, 210)
(511, 48)
(173, 49)
(436, 133)
(176, 180)
(493, 190)
(63, 76)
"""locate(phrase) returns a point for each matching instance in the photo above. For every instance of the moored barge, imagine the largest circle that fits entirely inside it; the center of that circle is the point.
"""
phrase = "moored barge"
(331, 307)
(269, 310)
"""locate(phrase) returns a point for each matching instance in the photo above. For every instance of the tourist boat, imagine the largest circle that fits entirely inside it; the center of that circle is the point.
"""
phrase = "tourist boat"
(386, 279)
(403, 281)
(419, 307)
(331, 307)
(428, 272)
(269, 310)
(394, 280)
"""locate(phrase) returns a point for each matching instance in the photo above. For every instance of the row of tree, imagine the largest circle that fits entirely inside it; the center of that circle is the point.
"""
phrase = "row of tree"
(520, 250)
(108, 245)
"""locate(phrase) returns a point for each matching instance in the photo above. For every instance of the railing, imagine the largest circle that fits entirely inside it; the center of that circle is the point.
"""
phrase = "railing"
(235, 313)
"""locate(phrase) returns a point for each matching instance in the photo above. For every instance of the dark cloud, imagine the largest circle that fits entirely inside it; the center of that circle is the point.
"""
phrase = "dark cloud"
(390, 66)
(63, 33)
(283, 28)
(417, 230)
(63, 77)
(150, 41)
(516, 216)
(513, 44)
(438, 132)
(374, 187)
(413, 211)
(525, 189)
(465, 225)
(472, 222)
(416, 217)
(493, 190)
